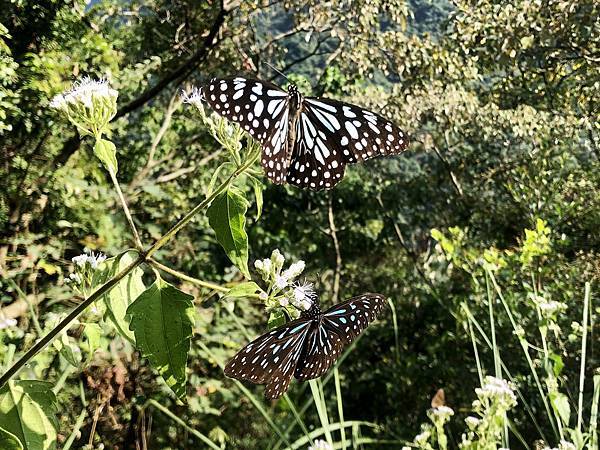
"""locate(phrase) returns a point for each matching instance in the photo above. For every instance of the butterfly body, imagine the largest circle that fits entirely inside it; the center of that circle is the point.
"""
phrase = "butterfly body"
(306, 141)
(304, 348)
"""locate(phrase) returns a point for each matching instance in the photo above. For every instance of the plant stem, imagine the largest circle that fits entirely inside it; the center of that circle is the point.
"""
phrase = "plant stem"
(178, 420)
(586, 302)
(40, 344)
(136, 236)
(185, 277)
(103, 289)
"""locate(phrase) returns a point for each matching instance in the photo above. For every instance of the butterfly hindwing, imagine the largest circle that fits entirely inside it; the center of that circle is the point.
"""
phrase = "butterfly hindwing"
(317, 161)
(260, 108)
(271, 358)
(322, 348)
(348, 319)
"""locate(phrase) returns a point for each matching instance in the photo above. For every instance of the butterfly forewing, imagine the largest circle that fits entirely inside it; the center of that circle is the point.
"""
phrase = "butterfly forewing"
(260, 108)
(348, 319)
(359, 133)
(264, 359)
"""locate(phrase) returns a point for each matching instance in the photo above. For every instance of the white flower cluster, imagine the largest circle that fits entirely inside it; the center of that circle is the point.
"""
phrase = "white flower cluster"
(442, 411)
(548, 308)
(498, 390)
(85, 265)
(89, 104)
(564, 445)
(282, 286)
(320, 444)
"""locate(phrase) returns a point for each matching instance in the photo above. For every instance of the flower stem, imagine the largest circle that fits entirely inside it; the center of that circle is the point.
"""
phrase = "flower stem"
(136, 236)
(185, 277)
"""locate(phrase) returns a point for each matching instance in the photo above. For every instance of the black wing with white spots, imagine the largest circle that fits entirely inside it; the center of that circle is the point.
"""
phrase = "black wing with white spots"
(305, 348)
(350, 318)
(323, 347)
(306, 141)
(331, 134)
(260, 108)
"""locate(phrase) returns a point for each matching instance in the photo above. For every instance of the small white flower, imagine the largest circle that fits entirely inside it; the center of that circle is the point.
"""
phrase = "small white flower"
(281, 282)
(443, 411)
(7, 323)
(303, 294)
(283, 301)
(566, 445)
(320, 445)
(80, 260)
(423, 437)
(95, 260)
(194, 97)
(294, 270)
(75, 278)
(277, 258)
(472, 422)
(263, 296)
(551, 307)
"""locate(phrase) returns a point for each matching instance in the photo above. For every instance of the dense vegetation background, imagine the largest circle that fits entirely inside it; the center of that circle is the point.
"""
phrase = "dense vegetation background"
(501, 101)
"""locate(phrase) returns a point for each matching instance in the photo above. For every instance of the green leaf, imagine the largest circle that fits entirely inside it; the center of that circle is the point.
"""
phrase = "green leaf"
(9, 441)
(558, 364)
(92, 332)
(162, 319)
(28, 409)
(123, 294)
(243, 290)
(226, 216)
(68, 351)
(276, 319)
(107, 153)
(560, 403)
(258, 195)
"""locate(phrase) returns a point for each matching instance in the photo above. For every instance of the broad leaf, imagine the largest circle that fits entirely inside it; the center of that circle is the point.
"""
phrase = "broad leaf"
(28, 409)
(243, 290)
(560, 403)
(9, 441)
(227, 217)
(93, 333)
(123, 294)
(162, 319)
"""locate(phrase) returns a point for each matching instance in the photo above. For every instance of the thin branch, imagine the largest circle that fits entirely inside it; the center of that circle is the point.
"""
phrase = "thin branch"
(336, 246)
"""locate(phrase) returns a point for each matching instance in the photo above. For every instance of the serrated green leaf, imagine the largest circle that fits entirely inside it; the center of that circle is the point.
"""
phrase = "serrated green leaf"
(227, 217)
(161, 319)
(28, 409)
(9, 441)
(107, 153)
(123, 294)
(276, 319)
(243, 290)
(68, 351)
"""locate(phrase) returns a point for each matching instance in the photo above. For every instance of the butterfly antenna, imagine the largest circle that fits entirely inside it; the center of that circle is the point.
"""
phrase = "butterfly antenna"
(278, 71)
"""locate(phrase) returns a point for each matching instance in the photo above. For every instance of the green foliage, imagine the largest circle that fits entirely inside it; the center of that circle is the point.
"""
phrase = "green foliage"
(162, 318)
(227, 217)
(27, 410)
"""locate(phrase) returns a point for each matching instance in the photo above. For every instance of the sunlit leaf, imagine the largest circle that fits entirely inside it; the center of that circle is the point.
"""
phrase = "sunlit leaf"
(243, 289)
(28, 409)
(9, 441)
(162, 319)
(227, 217)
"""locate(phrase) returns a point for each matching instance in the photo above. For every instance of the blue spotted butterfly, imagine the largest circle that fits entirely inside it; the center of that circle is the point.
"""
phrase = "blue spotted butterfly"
(306, 141)
(305, 348)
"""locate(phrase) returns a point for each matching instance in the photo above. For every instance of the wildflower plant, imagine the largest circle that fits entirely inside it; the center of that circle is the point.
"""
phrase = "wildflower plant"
(283, 292)
(85, 275)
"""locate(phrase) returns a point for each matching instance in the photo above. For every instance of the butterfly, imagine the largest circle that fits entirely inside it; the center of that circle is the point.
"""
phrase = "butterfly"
(306, 141)
(305, 348)
(439, 399)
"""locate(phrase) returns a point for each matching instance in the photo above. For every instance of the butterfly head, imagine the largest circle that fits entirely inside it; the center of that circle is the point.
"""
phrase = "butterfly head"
(295, 96)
